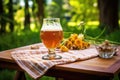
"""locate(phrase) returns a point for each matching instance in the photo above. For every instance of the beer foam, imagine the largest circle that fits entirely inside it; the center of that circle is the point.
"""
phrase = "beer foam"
(56, 27)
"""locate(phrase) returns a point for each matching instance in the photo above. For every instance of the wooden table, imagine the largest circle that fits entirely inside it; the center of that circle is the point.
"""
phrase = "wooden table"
(92, 69)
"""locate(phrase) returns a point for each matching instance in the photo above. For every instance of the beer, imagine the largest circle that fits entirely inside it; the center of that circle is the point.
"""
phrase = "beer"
(51, 35)
(51, 39)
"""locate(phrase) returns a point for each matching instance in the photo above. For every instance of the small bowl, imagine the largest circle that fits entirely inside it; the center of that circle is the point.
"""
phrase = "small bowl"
(106, 52)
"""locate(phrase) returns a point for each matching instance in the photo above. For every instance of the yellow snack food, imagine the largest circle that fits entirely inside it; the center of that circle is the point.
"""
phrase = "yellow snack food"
(63, 48)
(68, 44)
(78, 42)
(74, 36)
(74, 42)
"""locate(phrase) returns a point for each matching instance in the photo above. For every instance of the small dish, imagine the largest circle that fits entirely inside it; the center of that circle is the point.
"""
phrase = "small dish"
(106, 50)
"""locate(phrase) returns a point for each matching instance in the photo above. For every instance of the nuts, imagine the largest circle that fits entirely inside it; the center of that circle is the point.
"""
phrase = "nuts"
(63, 48)
(106, 46)
(106, 50)
(34, 47)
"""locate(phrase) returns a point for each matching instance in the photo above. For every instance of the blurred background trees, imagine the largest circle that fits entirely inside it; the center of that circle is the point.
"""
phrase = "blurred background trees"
(27, 15)
(16, 15)
(24, 17)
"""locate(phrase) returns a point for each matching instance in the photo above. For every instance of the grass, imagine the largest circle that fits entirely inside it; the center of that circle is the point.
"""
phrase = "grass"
(22, 38)
(13, 40)
(7, 74)
(42, 78)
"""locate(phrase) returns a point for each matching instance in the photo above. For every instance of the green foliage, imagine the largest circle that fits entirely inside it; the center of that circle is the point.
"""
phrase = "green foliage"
(42, 78)
(114, 36)
(53, 10)
(19, 15)
(84, 10)
(7, 74)
(10, 74)
(14, 40)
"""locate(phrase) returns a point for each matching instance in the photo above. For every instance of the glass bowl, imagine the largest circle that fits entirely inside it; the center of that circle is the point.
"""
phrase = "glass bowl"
(106, 52)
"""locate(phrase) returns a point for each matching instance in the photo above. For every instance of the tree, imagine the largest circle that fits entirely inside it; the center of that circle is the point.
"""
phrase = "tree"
(82, 10)
(27, 16)
(34, 6)
(59, 5)
(40, 12)
(108, 14)
(10, 15)
(2, 20)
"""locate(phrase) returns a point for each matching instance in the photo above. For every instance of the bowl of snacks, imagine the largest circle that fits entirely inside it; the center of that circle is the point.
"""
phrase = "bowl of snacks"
(106, 50)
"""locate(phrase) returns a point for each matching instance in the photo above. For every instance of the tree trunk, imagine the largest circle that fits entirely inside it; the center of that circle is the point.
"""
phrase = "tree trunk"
(108, 14)
(10, 15)
(27, 16)
(40, 12)
(34, 12)
(2, 20)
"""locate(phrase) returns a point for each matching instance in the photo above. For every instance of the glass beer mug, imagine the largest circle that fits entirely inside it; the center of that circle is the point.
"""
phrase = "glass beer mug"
(51, 35)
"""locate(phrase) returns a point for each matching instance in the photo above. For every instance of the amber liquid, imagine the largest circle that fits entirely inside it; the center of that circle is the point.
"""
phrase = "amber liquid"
(51, 39)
